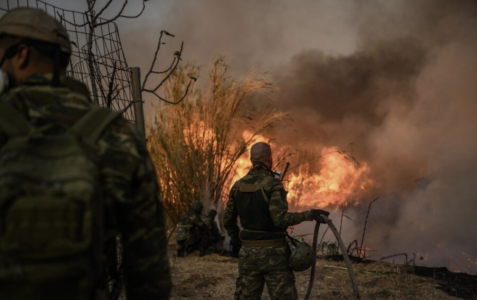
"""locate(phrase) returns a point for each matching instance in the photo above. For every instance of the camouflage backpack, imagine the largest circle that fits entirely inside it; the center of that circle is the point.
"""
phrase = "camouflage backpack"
(50, 208)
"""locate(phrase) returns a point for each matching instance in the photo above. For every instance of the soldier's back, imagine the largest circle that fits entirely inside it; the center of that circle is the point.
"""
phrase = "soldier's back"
(127, 180)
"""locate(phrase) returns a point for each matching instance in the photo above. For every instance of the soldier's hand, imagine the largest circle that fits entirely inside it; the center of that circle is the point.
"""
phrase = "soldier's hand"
(236, 250)
(317, 213)
(236, 245)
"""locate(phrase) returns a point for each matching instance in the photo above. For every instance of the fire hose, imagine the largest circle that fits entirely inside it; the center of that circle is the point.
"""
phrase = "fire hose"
(344, 251)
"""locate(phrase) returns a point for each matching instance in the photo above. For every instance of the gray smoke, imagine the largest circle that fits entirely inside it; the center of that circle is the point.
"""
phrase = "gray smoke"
(406, 100)
(396, 79)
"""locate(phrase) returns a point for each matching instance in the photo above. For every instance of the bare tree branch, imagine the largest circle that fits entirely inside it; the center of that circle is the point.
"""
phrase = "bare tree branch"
(129, 105)
(136, 16)
(113, 18)
(91, 5)
(108, 91)
(74, 24)
(102, 10)
(171, 102)
(159, 43)
(169, 71)
(120, 14)
(165, 77)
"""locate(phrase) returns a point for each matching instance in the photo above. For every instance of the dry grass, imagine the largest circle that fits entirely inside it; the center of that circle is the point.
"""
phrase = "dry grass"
(213, 277)
(195, 144)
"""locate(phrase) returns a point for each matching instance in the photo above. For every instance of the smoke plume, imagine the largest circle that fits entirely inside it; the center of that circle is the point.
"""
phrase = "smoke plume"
(392, 82)
(406, 102)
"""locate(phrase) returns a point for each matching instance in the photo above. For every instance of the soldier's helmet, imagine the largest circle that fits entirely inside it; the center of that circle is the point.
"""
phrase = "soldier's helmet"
(212, 213)
(35, 24)
(301, 257)
(197, 207)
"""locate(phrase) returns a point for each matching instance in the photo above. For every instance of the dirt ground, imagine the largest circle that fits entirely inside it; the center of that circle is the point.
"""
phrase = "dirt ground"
(213, 277)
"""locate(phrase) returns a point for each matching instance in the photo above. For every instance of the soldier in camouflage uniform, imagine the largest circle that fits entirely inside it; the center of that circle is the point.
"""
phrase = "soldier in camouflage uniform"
(213, 232)
(192, 231)
(259, 200)
(34, 53)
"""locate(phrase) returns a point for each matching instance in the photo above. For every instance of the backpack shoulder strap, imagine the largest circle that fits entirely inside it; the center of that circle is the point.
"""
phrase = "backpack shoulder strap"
(94, 122)
(251, 188)
(265, 182)
(12, 122)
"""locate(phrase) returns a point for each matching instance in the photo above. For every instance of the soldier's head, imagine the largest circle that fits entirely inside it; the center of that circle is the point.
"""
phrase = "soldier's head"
(261, 154)
(197, 207)
(212, 213)
(32, 42)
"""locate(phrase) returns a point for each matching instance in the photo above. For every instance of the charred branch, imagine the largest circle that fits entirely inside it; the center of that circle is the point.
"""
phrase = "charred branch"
(365, 223)
(167, 72)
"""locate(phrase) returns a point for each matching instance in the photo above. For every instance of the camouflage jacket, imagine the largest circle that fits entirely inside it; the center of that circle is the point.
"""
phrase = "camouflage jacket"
(277, 214)
(211, 226)
(129, 182)
(188, 224)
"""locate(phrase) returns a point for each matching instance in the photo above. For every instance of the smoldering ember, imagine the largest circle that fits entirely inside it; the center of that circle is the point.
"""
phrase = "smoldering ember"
(369, 108)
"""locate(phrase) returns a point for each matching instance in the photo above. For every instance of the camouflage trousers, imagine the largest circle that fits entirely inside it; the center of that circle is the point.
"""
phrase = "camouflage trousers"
(260, 265)
(198, 239)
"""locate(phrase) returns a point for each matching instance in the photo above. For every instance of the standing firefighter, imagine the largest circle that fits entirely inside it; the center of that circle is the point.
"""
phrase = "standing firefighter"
(72, 177)
(192, 231)
(260, 201)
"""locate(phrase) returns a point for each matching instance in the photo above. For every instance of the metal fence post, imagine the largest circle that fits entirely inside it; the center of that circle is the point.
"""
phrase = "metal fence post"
(137, 100)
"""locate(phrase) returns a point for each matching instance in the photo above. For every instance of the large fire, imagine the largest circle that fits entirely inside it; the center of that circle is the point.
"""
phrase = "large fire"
(339, 181)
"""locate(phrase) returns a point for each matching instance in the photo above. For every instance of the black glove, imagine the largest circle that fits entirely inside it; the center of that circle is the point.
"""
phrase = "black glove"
(316, 214)
(235, 248)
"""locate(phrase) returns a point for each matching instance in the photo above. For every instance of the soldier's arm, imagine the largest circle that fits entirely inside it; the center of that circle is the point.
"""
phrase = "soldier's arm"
(133, 183)
(279, 209)
(198, 221)
(230, 217)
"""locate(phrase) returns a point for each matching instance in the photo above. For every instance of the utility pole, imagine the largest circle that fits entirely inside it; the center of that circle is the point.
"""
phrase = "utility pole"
(137, 101)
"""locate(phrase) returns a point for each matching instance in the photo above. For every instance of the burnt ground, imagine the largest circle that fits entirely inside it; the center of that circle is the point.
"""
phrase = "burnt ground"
(213, 277)
(460, 285)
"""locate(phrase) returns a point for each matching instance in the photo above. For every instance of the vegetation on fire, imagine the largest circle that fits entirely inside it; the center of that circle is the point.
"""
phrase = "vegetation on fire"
(196, 143)
(207, 135)
(198, 148)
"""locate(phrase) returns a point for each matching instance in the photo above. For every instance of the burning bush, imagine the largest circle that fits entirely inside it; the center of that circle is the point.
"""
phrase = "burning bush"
(196, 143)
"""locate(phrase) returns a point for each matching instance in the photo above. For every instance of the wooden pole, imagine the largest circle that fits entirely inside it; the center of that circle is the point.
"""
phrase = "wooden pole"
(137, 101)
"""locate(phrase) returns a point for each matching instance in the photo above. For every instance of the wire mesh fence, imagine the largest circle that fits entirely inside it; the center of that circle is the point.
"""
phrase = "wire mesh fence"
(97, 60)
(97, 57)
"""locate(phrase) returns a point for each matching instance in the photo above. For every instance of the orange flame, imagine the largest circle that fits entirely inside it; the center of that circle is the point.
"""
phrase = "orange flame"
(340, 181)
